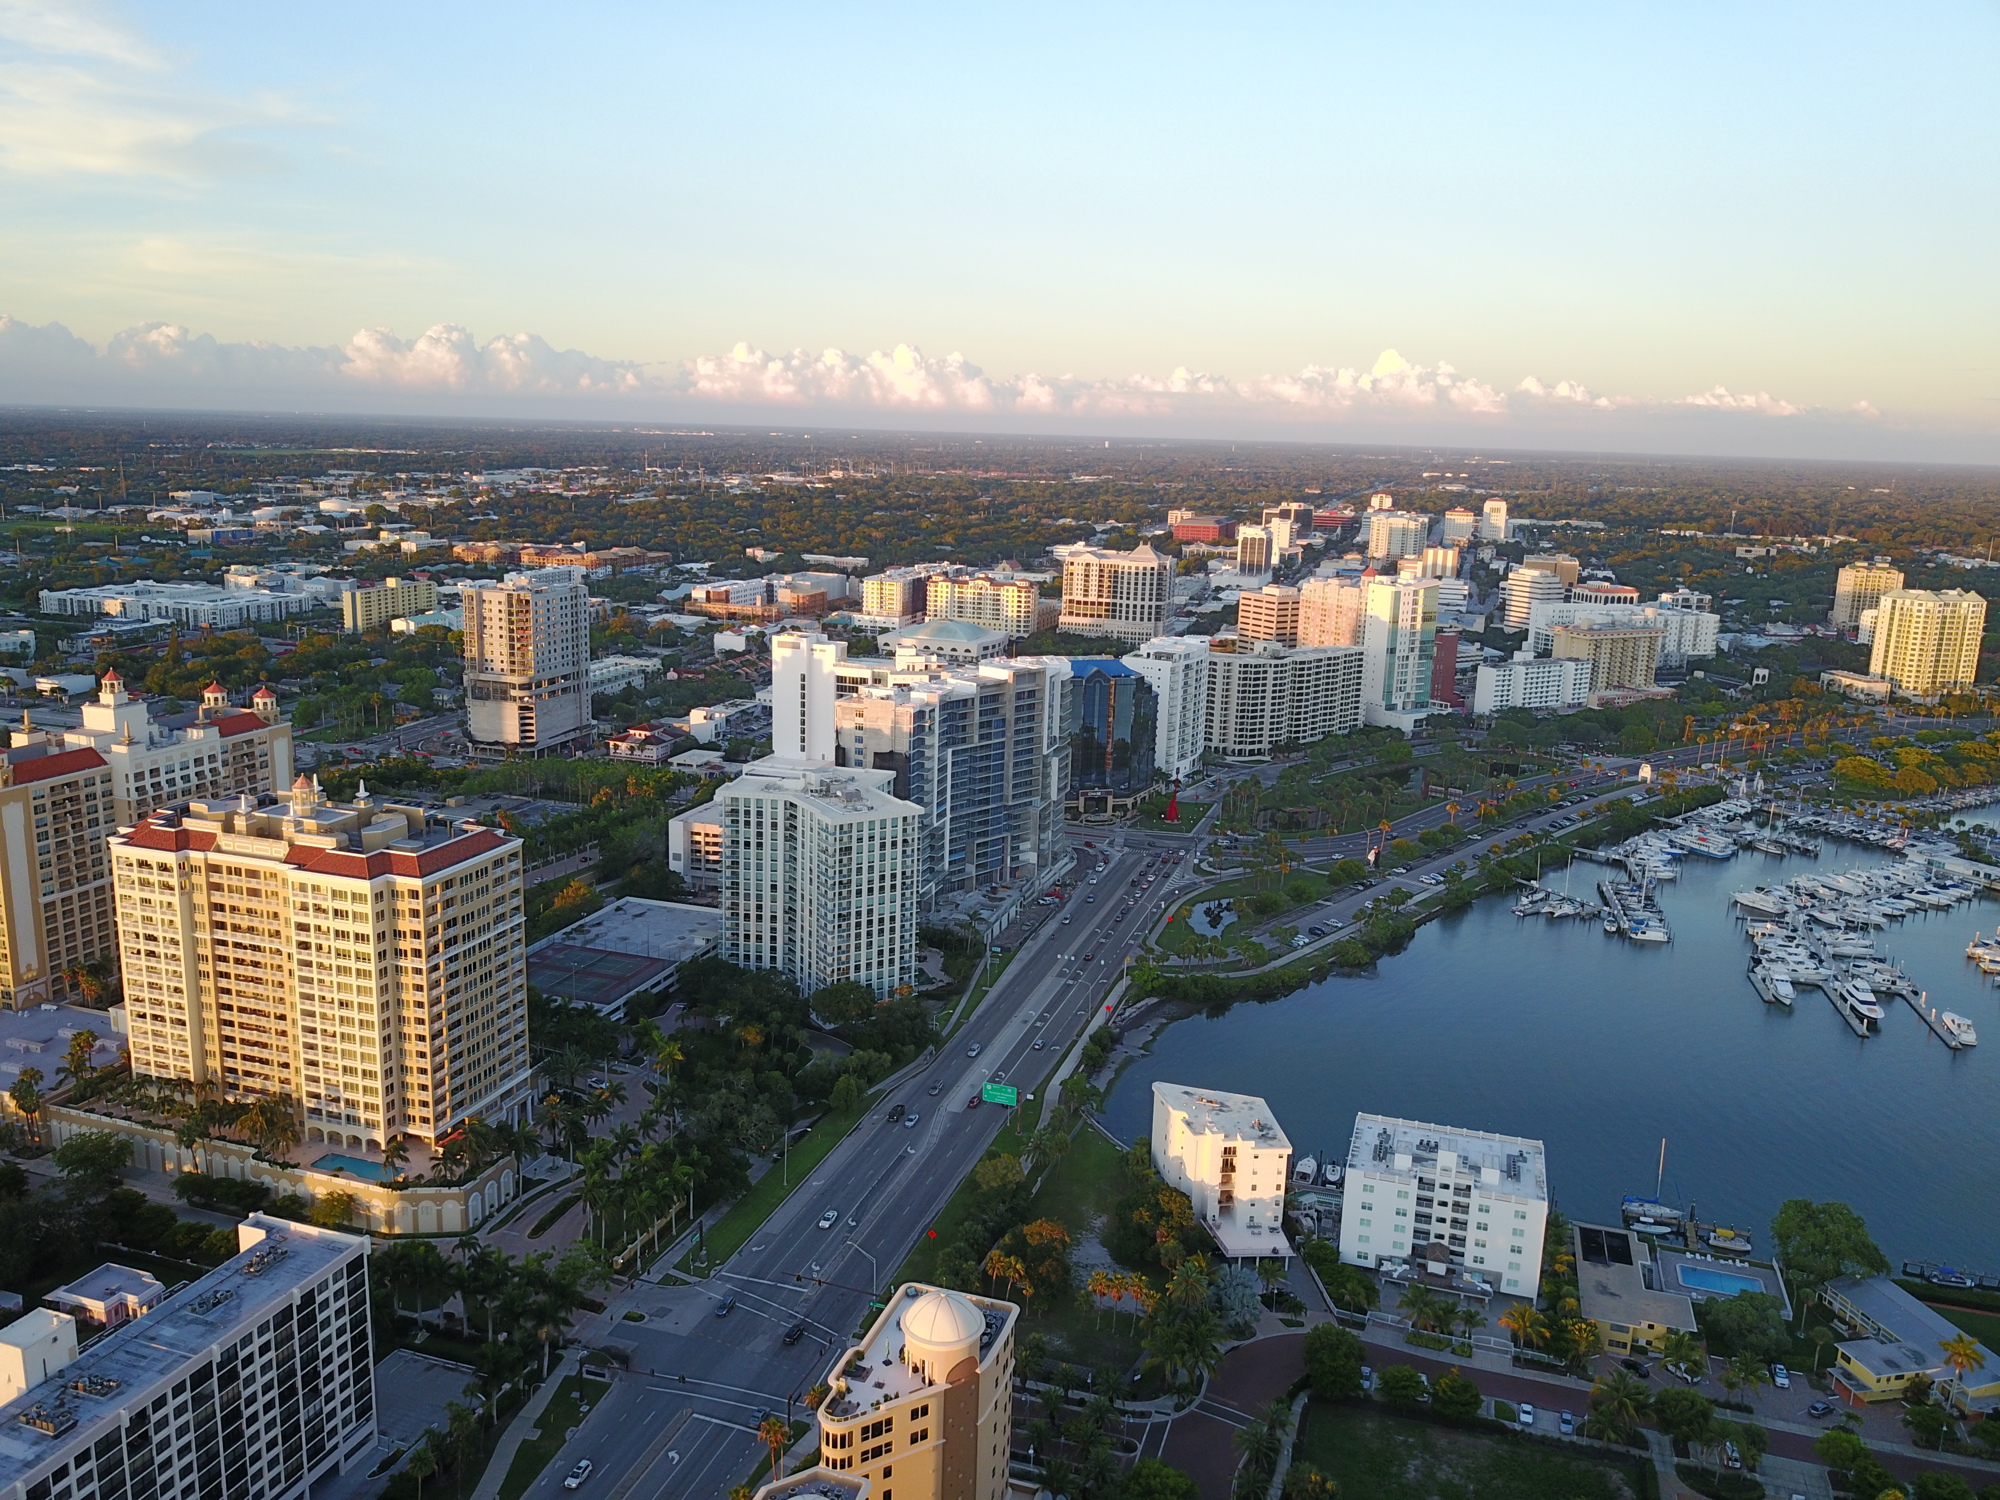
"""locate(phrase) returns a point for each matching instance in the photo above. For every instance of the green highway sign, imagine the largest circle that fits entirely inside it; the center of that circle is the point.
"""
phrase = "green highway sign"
(1000, 1093)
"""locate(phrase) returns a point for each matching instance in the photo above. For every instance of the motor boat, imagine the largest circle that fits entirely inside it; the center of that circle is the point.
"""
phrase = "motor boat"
(1774, 984)
(1727, 1241)
(1763, 902)
(1957, 1030)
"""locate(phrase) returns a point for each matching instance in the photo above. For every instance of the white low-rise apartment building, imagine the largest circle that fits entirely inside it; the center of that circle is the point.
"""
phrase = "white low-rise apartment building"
(1537, 682)
(1685, 633)
(189, 604)
(1483, 1197)
(1229, 1155)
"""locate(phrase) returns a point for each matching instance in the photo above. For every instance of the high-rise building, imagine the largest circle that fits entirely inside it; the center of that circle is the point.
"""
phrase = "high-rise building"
(1927, 643)
(1860, 586)
(1113, 717)
(374, 969)
(1399, 647)
(1381, 500)
(1330, 610)
(252, 1382)
(1013, 606)
(1460, 526)
(1539, 682)
(1432, 562)
(1523, 589)
(1564, 566)
(820, 870)
(1622, 656)
(1493, 521)
(1394, 533)
(1296, 514)
(1256, 551)
(225, 751)
(1468, 1201)
(922, 1406)
(1444, 671)
(1684, 633)
(373, 606)
(1262, 695)
(527, 662)
(1177, 667)
(56, 808)
(896, 597)
(1121, 594)
(1269, 614)
(1228, 1153)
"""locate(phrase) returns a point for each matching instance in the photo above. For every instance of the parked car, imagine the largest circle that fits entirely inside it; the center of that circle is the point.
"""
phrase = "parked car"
(1638, 1367)
(1566, 1422)
(576, 1476)
(1730, 1457)
(1781, 1377)
(830, 1218)
(1820, 1409)
(1316, 931)
(1525, 1414)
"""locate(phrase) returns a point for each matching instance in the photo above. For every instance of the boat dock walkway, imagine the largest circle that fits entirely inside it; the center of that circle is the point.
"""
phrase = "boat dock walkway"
(1929, 1017)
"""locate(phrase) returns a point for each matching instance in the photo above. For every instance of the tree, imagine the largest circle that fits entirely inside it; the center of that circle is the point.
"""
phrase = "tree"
(843, 1003)
(1938, 1484)
(1817, 1242)
(95, 1157)
(1401, 1385)
(1262, 1440)
(1529, 1328)
(1334, 1357)
(1685, 1415)
(1455, 1395)
(1928, 1423)
(1304, 1482)
(421, 1464)
(1751, 1323)
(1150, 1479)
(26, 1092)
(332, 1210)
(776, 1434)
(1840, 1450)
(1617, 1401)
(77, 1066)
(1745, 1372)
(1963, 1354)
(1237, 1303)
(1682, 1350)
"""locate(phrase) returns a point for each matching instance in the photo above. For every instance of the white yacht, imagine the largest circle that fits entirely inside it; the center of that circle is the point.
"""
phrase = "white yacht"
(1957, 1030)
(1861, 1000)
(1765, 903)
(1773, 983)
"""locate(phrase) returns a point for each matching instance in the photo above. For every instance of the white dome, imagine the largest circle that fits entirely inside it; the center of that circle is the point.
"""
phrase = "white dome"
(943, 1320)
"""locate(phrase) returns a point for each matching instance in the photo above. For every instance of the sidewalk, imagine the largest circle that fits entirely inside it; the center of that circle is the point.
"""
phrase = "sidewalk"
(523, 1426)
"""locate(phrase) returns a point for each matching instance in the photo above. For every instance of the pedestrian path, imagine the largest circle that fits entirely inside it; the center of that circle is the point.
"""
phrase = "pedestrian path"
(519, 1430)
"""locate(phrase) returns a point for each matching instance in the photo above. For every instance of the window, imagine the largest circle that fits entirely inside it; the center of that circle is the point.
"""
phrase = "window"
(1520, 1213)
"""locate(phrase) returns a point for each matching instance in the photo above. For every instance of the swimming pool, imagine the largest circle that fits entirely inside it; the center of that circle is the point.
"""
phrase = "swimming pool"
(370, 1171)
(1706, 1279)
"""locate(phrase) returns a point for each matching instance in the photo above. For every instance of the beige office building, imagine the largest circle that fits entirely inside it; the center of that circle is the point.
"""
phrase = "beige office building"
(1620, 656)
(366, 959)
(372, 607)
(1012, 606)
(56, 808)
(1121, 594)
(1860, 587)
(1564, 566)
(1927, 643)
(1269, 614)
(922, 1407)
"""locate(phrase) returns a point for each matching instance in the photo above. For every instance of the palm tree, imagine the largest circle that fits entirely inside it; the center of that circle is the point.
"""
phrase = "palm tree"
(774, 1433)
(1745, 1373)
(1469, 1320)
(1617, 1401)
(1529, 1328)
(77, 1066)
(396, 1154)
(1682, 1348)
(1963, 1354)
(422, 1463)
(26, 1092)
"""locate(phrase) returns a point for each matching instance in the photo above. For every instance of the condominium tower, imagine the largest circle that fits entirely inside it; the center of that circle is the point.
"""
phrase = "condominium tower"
(1395, 533)
(1262, 695)
(1622, 655)
(1121, 594)
(527, 662)
(1469, 1200)
(1228, 1153)
(1177, 667)
(1012, 606)
(373, 606)
(1860, 587)
(1399, 644)
(223, 752)
(922, 1406)
(366, 959)
(1927, 643)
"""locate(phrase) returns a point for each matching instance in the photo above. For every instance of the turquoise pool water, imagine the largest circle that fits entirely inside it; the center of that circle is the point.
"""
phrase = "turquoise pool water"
(1702, 1279)
(371, 1171)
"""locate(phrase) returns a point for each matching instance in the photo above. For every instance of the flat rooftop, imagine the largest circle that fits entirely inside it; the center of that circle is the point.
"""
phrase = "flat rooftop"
(1388, 1145)
(109, 1282)
(38, 1037)
(1914, 1329)
(131, 1359)
(1611, 1281)
(884, 1373)
(630, 946)
(1242, 1117)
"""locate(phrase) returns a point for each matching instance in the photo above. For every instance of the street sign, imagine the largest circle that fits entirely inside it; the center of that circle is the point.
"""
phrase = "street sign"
(1000, 1093)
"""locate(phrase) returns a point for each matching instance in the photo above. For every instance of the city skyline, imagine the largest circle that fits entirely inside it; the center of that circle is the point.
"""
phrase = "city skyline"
(1711, 233)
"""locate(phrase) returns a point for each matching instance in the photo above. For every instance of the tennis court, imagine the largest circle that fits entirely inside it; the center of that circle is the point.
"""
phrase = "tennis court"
(592, 976)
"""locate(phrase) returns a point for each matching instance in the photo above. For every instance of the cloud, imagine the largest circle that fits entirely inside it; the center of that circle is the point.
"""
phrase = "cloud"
(447, 371)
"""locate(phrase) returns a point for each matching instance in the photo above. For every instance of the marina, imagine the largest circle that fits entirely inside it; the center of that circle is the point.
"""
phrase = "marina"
(1601, 1046)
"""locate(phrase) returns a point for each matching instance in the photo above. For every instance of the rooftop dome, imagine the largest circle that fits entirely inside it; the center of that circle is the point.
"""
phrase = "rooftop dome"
(943, 1319)
(945, 630)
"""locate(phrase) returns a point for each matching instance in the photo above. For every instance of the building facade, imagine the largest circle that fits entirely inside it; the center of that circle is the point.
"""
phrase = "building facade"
(1860, 586)
(1229, 1155)
(1460, 526)
(894, 598)
(1256, 551)
(1263, 695)
(922, 1406)
(694, 847)
(1399, 649)
(365, 959)
(1927, 643)
(1564, 566)
(1523, 589)
(222, 751)
(1012, 606)
(56, 809)
(1269, 614)
(1684, 633)
(190, 605)
(1621, 656)
(373, 607)
(1330, 610)
(1493, 521)
(1393, 534)
(820, 873)
(1113, 717)
(254, 1382)
(1120, 594)
(1483, 1197)
(1177, 667)
(1537, 682)
(527, 662)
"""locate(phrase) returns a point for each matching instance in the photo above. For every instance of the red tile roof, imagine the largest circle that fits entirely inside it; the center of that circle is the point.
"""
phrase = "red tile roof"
(395, 861)
(230, 725)
(48, 767)
(150, 835)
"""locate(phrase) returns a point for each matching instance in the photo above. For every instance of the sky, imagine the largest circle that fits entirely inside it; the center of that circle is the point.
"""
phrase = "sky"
(1731, 228)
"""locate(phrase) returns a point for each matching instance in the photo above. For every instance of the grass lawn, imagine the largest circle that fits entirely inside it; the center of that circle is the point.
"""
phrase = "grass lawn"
(921, 1264)
(533, 1456)
(968, 1005)
(1983, 1326)
(732, 1232)
(1393, 1458)
(1079, 1190)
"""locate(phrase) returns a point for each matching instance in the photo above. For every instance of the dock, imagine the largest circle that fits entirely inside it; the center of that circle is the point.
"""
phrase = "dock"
(1928, 1017)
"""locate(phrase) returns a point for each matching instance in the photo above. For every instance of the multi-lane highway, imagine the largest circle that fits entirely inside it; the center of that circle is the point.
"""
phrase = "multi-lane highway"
(682, 1421)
